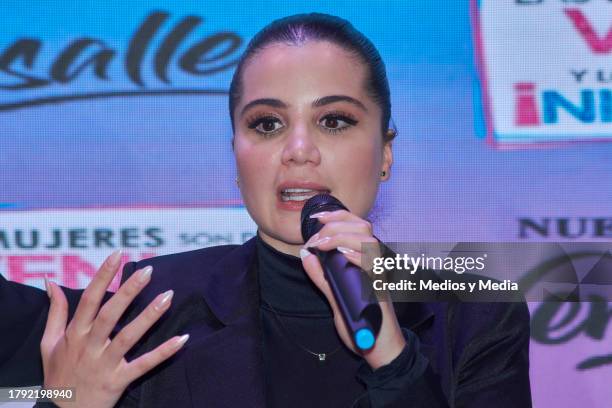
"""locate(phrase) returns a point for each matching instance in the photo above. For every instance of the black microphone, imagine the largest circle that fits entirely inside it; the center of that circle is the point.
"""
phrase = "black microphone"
(361, 314)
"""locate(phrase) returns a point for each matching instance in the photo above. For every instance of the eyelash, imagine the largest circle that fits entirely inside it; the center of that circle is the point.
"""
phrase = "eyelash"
(253, 123)
(258, 120)
(344, 117)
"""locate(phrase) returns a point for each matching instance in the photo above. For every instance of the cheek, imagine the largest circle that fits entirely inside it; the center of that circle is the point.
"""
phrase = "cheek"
(361, 163)
(248, 157)
(358, 175)
(248, 162)
(251, 173)
(254, 171)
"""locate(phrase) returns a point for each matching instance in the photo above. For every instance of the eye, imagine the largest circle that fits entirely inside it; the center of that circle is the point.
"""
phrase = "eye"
(266, 125)
(336, 122)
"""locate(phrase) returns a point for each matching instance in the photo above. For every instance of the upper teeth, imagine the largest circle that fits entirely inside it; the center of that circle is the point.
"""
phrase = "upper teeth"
(297, 190)
(297, 194)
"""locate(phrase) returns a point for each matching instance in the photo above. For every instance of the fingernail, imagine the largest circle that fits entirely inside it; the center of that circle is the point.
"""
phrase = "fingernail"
(165, 299)
(180, 342)
(318, 242)
(319, 214)
(345, 250)
(145, 274)
(304, 253)
(116, 256)
(48, 287)
(313, 238)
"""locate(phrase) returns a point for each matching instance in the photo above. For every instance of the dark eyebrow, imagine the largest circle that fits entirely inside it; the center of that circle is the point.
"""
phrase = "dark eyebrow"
(275, 103)
(338, 98)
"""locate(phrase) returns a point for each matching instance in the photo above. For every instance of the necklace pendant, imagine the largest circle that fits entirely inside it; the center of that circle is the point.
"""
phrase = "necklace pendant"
(322, 357)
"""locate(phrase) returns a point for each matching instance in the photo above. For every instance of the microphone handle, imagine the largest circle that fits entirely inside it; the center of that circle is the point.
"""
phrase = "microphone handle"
(358, 304)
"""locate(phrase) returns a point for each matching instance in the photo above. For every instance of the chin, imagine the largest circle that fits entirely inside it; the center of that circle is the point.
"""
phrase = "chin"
(287, 236)
(293, 238)
(285, 228)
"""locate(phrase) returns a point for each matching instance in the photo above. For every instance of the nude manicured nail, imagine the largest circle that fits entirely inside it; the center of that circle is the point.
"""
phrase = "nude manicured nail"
(164, 300)
(48, 287)
(116, 256)
(320, 214)
(313, 238)
(182, 340)
(304, 253)
(345, 250)
(145, 274)
(318, 242)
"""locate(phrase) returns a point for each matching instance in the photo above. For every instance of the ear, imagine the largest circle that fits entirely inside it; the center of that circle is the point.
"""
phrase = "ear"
(387, 160)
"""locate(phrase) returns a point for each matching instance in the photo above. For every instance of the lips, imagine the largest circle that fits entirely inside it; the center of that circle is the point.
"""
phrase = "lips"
(293, 195)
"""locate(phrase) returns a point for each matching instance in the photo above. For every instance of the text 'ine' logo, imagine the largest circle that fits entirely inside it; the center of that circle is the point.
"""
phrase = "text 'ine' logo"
(595, 105)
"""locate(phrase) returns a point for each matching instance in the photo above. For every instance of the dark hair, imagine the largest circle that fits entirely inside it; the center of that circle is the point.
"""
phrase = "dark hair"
(301, 28)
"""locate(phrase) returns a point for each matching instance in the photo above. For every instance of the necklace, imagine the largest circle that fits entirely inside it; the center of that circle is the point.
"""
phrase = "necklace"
(322, 357)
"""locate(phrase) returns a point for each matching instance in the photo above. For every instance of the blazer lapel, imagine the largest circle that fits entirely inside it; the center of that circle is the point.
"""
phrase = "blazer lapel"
(224, 362)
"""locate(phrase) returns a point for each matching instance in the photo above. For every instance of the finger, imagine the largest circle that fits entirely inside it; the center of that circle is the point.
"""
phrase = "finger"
(352, 245)
(354, 257)
(363, 256)
(130, 334)
(56, 319)
(338, 215)
(114, 308)
(92, 296)
(357, 258)
(326, 244)
(358, 226)
(138, 367)
(349, 240)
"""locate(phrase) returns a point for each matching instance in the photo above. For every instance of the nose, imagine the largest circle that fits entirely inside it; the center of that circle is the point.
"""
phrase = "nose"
(301, 147)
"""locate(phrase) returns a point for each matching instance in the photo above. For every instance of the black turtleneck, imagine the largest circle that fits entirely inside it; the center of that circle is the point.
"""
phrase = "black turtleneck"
(297, 324)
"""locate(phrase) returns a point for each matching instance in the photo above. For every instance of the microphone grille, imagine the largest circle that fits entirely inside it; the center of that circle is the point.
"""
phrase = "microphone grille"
(316, 204)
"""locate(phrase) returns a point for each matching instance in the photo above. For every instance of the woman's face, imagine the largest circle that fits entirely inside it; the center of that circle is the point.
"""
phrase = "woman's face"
(305, 124)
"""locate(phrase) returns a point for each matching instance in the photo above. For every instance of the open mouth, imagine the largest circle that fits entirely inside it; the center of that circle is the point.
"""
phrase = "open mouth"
(299, 194)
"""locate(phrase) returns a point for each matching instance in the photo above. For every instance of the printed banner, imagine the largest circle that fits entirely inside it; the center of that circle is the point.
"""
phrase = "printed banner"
(546, 69)
(68, 246)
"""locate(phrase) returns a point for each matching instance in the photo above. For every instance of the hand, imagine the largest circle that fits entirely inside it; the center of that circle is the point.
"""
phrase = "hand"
(81, 356)
(346, 232)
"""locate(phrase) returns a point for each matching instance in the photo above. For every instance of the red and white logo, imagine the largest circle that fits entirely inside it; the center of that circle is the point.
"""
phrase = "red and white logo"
(545, 70)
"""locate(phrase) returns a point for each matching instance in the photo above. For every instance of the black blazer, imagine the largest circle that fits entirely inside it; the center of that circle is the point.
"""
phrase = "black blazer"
(478, 352)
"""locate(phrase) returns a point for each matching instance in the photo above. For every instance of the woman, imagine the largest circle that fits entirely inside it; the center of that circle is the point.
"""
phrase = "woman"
(257, 324)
